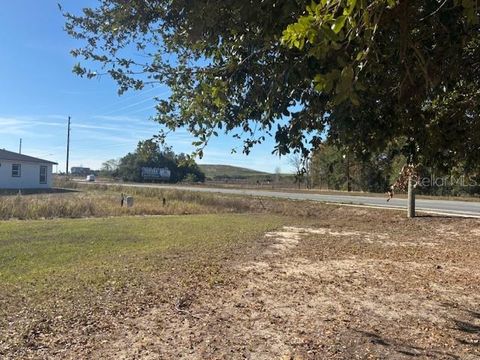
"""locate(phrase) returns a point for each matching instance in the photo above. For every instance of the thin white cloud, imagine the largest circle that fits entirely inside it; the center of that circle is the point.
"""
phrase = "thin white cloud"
(85, 135)
(119, 118)
(13, 126)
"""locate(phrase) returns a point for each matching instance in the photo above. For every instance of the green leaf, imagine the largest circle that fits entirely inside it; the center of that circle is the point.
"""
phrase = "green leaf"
(328, 33)
(361, 55)
(339, 24)
(321, 82)
(391, 3)
(311, 8)
(351, 6)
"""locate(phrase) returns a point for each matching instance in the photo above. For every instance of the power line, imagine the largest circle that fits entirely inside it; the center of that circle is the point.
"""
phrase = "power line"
(129, 106)
(121, 101)
(135, 104)
(105, 146)
(126, 107)
(68, 145)
(141, 110)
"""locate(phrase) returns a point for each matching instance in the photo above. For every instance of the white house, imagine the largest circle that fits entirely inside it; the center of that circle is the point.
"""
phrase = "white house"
(18, 171)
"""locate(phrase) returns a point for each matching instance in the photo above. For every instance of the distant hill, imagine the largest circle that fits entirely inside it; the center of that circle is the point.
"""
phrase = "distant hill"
(227, 171)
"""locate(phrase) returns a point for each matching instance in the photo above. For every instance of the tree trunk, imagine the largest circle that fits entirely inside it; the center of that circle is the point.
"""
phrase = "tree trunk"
(349, 186)
(411, 199)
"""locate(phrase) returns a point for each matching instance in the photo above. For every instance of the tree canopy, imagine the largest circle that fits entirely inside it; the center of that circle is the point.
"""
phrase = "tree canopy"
(363, 73)
(149, 154)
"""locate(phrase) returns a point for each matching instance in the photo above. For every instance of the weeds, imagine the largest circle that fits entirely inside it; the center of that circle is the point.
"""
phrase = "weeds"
(102, 201)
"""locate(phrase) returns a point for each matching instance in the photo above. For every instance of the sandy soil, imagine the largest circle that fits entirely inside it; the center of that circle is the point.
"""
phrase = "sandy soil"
(350, 284)
(331, 291)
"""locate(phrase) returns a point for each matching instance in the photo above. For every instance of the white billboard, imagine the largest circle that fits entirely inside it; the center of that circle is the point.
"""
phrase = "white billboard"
(150, 173)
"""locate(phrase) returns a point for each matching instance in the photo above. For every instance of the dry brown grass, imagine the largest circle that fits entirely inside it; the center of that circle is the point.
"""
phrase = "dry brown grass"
(103, 201)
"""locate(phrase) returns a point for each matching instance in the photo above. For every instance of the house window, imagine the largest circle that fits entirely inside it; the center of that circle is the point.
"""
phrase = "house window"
(43, 174)
(16, 170)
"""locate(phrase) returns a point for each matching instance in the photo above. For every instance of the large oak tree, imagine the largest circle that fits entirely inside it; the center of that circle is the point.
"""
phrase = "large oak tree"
(363, 73)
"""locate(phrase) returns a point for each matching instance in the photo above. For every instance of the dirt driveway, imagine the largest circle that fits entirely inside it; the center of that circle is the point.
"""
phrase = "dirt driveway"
(354, 283)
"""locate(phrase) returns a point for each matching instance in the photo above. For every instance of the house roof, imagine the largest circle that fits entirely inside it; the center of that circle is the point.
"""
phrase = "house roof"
(12, 156)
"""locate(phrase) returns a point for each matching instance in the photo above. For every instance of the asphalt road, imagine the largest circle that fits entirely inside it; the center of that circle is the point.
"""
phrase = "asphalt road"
(441, 207)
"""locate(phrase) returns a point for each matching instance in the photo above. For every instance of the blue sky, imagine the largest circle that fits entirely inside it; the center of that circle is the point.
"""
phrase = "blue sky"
(38, 91)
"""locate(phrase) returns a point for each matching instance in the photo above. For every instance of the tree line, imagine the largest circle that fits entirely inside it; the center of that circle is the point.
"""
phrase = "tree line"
(338, 168)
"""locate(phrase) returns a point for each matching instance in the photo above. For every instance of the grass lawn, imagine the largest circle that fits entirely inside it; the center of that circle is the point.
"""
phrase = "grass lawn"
(67, 273)
(39, 250)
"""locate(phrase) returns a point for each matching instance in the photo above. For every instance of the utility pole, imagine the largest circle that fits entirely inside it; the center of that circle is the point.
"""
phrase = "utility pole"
(349, 185)
(68, 146)
(411, 198)
(20, 146)
(347, 158)
(307, 171)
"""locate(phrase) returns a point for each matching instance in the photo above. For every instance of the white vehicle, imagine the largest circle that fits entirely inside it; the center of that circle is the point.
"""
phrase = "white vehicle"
(90, 178)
